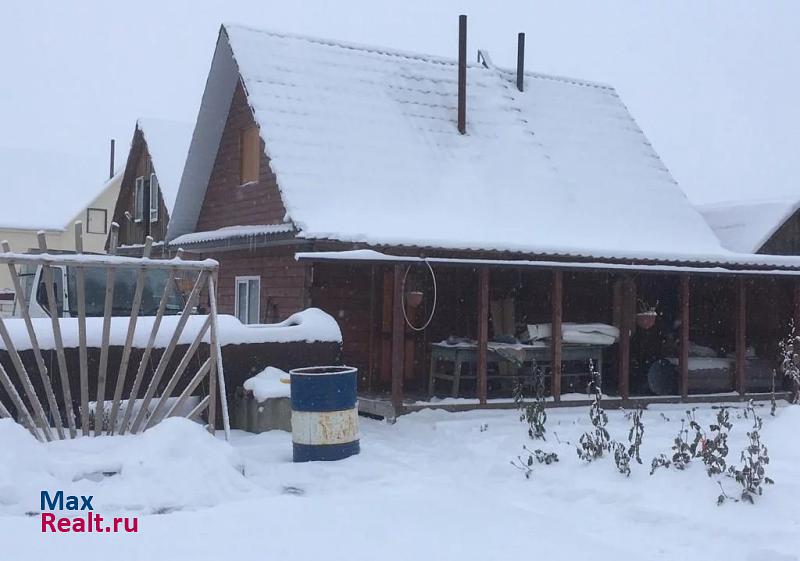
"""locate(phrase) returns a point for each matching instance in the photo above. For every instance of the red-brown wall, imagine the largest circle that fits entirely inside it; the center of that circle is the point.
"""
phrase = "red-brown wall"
(283, 281)
(226, 202)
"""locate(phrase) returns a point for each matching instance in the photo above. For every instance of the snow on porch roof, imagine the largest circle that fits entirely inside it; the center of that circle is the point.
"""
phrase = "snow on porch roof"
(776, 265)
(365, 148)
(746, 226)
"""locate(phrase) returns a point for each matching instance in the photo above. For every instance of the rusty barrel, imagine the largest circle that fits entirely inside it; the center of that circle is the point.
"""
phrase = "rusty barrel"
(324, 413)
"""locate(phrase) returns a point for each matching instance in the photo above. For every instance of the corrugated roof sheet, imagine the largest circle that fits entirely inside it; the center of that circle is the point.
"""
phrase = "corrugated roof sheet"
(365, 147)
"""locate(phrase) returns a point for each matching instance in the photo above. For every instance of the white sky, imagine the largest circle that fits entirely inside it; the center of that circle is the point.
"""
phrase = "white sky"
(712, 83)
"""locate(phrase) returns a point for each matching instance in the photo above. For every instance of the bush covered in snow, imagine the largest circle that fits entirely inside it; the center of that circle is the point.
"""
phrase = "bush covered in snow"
(532, 413)
(751, 475)
(593, 444)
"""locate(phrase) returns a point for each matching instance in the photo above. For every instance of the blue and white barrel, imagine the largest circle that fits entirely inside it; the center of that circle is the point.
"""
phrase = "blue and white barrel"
(324, 413)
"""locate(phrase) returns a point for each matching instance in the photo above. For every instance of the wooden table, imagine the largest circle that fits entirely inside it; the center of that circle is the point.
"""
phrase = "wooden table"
(534, 354)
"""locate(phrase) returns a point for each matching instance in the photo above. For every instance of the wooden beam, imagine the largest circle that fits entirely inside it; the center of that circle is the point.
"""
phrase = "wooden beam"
(398, 337)
(741, 334)
(683, 358)
(557, 297)
(483, 332)
(796, 302)
(624, 370)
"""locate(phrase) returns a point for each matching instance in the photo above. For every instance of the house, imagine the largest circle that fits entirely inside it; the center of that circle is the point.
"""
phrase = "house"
(461, 220)
(763, 226)
(150, 183)
(47, 191)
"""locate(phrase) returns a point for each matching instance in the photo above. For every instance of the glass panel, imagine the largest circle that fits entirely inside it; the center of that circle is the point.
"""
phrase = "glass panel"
(58, 288)
(253, 292)
(139, 199)
(241, 300)
(124, 287)
(153, 198)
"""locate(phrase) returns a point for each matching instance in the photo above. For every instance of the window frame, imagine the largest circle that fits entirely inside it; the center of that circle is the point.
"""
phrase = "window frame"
(246, 280)
(138, 199)
(105, 220)
(252, 133)
(153, 194)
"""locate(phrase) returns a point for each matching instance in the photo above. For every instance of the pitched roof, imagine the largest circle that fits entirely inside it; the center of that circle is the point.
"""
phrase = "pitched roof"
(745, 226)
(168, 143)
(364, 145)
(45, 190)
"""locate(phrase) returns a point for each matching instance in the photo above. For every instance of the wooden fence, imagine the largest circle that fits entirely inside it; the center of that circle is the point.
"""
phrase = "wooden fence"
(31, 397)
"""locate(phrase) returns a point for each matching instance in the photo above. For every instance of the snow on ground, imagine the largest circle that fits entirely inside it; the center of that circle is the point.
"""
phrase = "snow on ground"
(435, 485)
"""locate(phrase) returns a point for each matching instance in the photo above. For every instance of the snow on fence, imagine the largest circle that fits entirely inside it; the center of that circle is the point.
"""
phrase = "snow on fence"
(30, 390)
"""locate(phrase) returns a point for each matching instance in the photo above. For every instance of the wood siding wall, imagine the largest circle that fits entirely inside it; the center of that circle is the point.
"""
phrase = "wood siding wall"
(227, 203)
(283, 281)
(139, 164)
(786, 240)
(344, 292)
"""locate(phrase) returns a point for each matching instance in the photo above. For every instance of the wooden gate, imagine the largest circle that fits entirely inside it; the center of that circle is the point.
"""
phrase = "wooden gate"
(170, 371)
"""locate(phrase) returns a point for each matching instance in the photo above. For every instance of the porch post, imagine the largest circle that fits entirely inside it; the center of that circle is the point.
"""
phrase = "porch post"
(796, 302)
(683, 358)
(625, 339)
(398, 336)
(483, 331)
(557, 298)
(741, 336)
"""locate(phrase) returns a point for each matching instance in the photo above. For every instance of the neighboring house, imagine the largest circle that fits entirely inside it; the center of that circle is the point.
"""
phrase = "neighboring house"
(540, 206)
(46, 191)
(769, 227)
(150, 183)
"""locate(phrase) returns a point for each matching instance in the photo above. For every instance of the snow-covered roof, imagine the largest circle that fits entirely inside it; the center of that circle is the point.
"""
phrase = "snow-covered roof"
(745, 226)
(365, 148)
(168, 143)
(45, 190)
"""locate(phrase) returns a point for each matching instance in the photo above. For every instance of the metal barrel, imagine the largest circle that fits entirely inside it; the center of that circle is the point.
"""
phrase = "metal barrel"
(324, 413)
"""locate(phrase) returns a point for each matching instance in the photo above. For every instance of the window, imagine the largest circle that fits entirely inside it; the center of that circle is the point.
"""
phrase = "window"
(249, 155)
(125, 280)
(138, 200)
(58, 291)
(153, 198)
(96, 221)
(248, 296)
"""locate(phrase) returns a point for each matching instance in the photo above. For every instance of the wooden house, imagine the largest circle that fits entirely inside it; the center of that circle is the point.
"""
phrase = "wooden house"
(768, 226)
(150, 181)
(50, 192)
(467, 226)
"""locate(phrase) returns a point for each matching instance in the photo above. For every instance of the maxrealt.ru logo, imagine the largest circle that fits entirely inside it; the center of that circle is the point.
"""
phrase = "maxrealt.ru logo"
(86, 521)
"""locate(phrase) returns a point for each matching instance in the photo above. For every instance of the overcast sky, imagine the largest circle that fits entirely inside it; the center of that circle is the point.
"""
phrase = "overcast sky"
(713, 84)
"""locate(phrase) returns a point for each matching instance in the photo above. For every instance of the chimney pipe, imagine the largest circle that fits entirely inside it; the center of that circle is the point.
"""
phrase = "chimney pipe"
(111, 161)
(462, 74)
(520, 60)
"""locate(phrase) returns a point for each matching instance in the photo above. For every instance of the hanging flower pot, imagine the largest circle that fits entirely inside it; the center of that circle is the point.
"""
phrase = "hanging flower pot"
(646, 320)
(414, 298)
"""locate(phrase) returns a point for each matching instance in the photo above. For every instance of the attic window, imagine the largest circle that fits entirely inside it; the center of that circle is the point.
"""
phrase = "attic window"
(138, 200)
(153, 198)
(249, 155)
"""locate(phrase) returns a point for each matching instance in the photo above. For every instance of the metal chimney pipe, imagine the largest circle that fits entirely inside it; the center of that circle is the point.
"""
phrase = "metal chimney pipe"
(462, 74)
(520, 60)
(111, 161)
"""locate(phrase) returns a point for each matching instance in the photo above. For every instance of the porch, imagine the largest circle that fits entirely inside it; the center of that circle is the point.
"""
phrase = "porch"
(713, 335)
